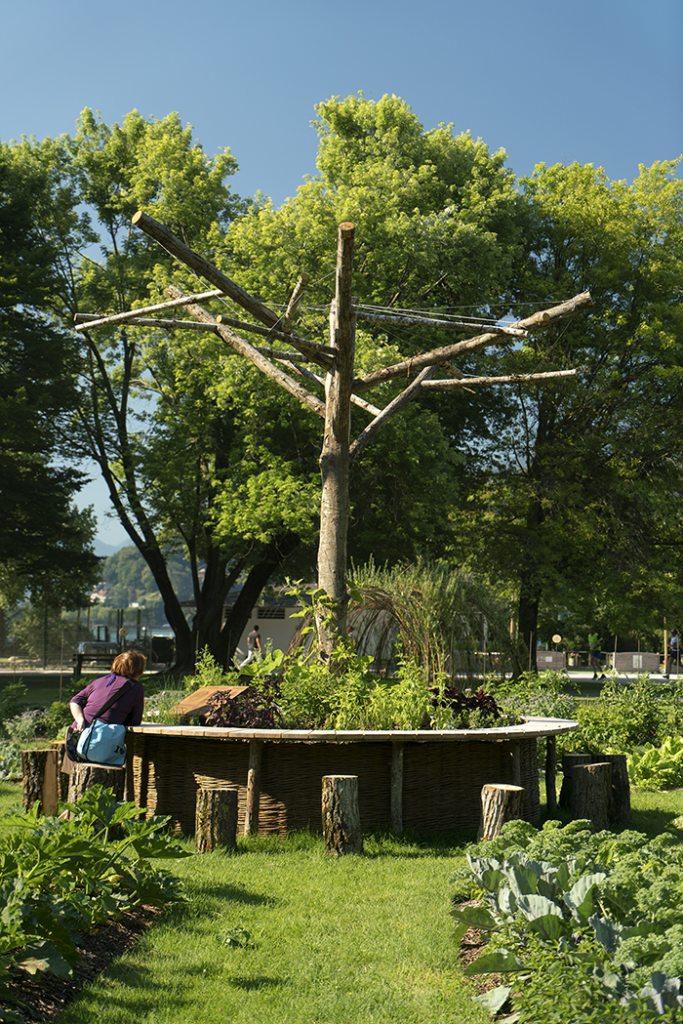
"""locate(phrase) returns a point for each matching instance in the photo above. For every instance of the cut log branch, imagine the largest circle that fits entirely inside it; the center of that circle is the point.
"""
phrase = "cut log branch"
(372, 429)
(249, 352)
(297, 295)
(441, 355)
(203, 268)
(119, 318)
(406, 320)
(360, 402)
(92, 319)
(515, 378)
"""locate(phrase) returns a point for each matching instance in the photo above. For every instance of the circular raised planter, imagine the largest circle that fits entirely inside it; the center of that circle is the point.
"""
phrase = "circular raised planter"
(425, 780)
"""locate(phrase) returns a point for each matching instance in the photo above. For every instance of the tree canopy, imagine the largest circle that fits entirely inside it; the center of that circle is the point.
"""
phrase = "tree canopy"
(569, 504)
(557, 491)
(45, 542)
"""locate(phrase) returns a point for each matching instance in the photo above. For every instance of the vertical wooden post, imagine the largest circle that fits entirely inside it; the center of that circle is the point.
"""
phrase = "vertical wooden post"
(334, 457)
(397, 789)
(591, 793)
(500, 802)
(253, 787)
(550, 775)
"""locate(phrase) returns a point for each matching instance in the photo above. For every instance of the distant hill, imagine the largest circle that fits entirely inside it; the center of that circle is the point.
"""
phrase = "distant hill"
(105, 550)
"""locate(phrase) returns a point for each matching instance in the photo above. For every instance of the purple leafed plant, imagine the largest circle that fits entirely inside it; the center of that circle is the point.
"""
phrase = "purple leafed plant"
(255, 708)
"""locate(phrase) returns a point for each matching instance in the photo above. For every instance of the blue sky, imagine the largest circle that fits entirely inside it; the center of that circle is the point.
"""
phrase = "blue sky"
(598, 81)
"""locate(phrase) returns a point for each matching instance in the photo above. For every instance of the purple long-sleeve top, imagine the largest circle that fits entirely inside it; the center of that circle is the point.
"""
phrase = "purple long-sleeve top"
(126, 711)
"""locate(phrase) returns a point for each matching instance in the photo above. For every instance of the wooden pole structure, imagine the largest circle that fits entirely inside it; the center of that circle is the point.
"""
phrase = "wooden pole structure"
(253, 787)
(340, 385)
(397, 788)
(334, 458)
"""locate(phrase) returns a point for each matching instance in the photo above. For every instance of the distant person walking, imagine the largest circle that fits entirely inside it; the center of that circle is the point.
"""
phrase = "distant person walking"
(253, 646)
(674, 653)
(595, 653)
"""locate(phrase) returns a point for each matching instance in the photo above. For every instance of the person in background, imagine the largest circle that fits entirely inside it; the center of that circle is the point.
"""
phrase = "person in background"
(86, 705)
(253, 645)
(673, 657)
(595, 652)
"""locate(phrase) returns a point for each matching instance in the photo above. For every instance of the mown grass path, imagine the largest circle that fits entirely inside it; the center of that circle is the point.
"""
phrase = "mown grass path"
(348, 941)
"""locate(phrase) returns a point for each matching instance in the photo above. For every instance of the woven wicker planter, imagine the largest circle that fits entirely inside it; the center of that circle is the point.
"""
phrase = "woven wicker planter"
(428, 781)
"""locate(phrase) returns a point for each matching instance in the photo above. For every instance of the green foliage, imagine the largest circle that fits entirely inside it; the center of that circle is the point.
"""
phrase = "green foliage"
(626, 716)
(47, 555)
(537, 693)
(607, 906)
(13, 698)
(10, 760)
(658, 767)
(61, 878)
(577, 486)
(207, 673)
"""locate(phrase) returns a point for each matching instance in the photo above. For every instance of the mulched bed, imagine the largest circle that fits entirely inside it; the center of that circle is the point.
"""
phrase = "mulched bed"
(50, 994)
(473, 944)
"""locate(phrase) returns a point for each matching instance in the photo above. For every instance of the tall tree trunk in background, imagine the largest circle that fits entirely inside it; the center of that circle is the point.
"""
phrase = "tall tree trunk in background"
(334, 458)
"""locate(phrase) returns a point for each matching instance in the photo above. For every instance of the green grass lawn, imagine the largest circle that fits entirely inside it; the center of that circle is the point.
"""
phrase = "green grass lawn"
(348, 941)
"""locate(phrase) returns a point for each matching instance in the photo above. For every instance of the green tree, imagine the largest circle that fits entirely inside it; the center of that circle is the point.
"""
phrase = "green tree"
(570, 506)
(45, 543)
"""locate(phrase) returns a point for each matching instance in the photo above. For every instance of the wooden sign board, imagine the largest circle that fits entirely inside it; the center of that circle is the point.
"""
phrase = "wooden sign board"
(197, 703)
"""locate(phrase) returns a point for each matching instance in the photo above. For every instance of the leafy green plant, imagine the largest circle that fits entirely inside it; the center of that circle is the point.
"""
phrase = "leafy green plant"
(608, 906)
(658, 767)
(207, 673)
(60, 878)
(10, 759)
(13, 697)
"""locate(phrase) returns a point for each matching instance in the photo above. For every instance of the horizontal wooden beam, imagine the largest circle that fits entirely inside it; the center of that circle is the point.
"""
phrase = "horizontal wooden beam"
(119, 318)
(544, 318)
(409, 320)
(151, 321)
(514, 378)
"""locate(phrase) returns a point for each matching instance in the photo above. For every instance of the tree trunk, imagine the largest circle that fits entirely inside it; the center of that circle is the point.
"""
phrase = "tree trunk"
(41, 780)
(334, 458)
(215, 820)
(529, 602)
(341, 817)
(500, 802)
(569, 762)
(591, 794)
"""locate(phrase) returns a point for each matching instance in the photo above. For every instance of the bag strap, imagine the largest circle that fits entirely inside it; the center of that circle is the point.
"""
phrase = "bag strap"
(119, 693)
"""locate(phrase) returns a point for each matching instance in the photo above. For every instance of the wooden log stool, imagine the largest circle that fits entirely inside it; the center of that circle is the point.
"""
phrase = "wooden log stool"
(84, 776)
(500, 802)
(215, 819)
(40, 770)
(569, 762)
(620, 795)
(341, 816)
(591, 793)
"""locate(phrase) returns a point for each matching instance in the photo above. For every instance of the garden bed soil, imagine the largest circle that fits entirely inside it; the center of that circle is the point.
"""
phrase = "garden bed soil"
(48, 995)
